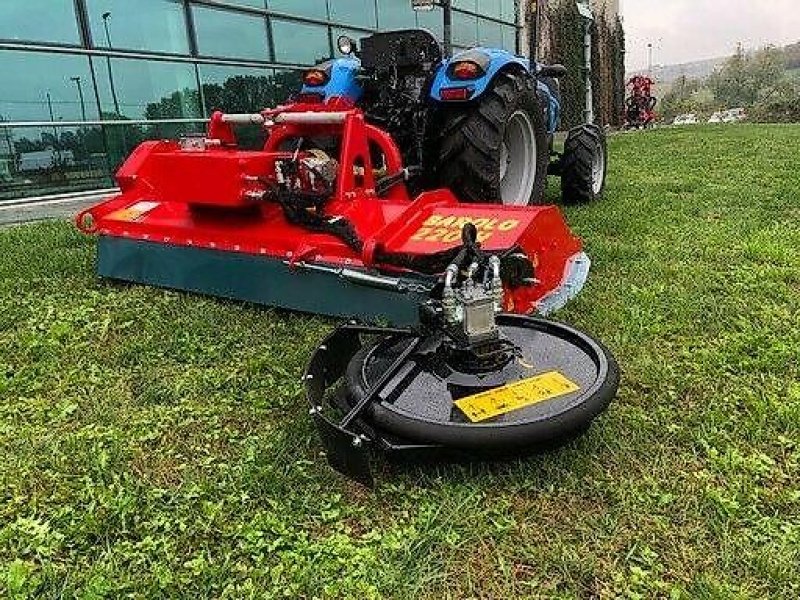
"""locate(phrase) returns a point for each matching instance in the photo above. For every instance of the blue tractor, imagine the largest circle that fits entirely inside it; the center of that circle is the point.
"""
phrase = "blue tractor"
(480, 122)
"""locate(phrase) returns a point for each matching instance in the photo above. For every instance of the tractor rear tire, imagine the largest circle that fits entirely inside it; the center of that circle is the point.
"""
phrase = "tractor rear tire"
(495, 149)
(584, 165)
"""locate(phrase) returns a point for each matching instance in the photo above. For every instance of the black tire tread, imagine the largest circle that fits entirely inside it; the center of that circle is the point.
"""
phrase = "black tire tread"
(469, 141)
(576, 164)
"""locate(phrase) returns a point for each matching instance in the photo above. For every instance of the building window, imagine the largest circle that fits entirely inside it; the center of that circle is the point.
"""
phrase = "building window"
(508, 11)
(395, 14)
(39, 86)
(489, 8)
(39, 21)
(358, 13)
(465, 29)
(144, 25)
(37, 161)
(77, 85)
(431, 20)
(300, 43)
(510, 38)
(464, 4)
(490, 33)
(147, 89)
(313, 9)
(245, 90)
(227, 34)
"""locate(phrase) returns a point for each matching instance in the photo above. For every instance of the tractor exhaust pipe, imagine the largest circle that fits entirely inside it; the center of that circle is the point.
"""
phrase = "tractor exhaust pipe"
(447, 14)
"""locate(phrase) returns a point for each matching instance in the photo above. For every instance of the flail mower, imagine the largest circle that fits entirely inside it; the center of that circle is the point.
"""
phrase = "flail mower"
(640, 104)
(441, 351)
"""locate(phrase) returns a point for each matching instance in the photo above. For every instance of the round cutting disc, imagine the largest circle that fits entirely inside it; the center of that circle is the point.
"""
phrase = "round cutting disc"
(553, 384)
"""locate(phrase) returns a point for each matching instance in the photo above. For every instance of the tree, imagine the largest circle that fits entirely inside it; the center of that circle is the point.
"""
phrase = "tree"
(746, 78)
(681, 97)
(782, 106)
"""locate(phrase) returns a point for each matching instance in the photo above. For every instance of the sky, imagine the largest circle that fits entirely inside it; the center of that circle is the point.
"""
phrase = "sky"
(688, 30)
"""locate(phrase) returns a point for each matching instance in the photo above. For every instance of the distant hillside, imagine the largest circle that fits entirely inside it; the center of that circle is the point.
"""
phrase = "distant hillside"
(665, 75)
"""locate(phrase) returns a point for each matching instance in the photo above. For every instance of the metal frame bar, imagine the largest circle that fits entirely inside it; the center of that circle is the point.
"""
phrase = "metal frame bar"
(155, 56)
(377, 388)
(112, 122)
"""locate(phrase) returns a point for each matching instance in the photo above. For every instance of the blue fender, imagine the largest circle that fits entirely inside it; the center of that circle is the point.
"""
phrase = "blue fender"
(554, 114)
(342, 80)
(493, 61)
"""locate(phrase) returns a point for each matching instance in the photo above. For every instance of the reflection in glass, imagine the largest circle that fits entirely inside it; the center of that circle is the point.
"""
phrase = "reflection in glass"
(38, 86)
(243, 90)
(395, 15)
(48, 86)
(300, 43)
(357, 13)
(466, 4)
(150, 89)
(154, 25)
(237, 89)
(37, 161)
(39, 21)
(490, 8)
(465, 29)
(315, 9)
(508, 10)
(490, 33)
(229, 34)
(510, 38)
(432, 20)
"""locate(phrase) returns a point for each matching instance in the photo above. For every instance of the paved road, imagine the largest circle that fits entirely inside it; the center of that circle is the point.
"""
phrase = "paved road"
(25, 211)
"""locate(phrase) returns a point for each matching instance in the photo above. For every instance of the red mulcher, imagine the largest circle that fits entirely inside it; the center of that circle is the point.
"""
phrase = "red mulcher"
(321, 221)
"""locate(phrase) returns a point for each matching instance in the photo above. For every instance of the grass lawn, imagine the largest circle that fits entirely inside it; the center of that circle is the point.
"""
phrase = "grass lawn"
(157, 444)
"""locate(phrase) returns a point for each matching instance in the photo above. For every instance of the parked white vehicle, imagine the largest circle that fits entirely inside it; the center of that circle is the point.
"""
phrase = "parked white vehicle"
(716, 118)
(689, 119)
(734, 115)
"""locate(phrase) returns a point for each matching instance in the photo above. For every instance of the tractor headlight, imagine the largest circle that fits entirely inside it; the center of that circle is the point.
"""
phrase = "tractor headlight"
(346, 45)
(315, 77)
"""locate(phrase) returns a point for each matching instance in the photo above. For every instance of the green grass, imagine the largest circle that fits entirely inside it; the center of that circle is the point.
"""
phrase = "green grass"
(157, 444)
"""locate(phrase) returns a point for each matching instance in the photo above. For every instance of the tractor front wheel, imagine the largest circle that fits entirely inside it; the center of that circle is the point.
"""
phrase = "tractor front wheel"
(495, 149)
(583, 165)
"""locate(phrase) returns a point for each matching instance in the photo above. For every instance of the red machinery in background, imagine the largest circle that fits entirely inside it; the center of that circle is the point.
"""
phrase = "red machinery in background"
(320, 220)
(640, 103)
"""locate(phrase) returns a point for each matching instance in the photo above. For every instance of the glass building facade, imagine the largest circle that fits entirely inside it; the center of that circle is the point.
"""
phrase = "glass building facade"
(84, 81)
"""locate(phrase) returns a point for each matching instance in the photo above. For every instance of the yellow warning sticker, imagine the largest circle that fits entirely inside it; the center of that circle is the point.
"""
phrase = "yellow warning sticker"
(134, 212)
(514, 396)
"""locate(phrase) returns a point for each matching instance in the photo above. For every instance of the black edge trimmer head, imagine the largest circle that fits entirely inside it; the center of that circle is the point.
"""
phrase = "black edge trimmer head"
(467, 379)
(400, 393)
